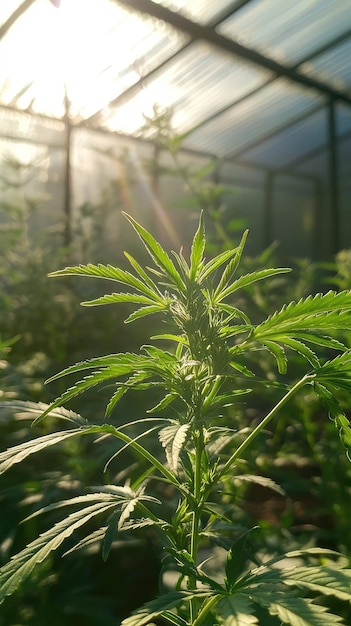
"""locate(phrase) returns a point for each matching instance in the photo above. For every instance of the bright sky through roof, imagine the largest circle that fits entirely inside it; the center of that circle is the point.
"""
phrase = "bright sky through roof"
(93, 47)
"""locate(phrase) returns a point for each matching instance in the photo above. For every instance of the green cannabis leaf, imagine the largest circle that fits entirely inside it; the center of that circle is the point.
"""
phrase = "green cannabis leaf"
(202, 372)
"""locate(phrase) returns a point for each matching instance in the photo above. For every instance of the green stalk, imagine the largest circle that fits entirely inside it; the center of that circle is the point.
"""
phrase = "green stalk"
(197, 490)
(169, 476)
(206, 609)
(197, 510)
(303, 381)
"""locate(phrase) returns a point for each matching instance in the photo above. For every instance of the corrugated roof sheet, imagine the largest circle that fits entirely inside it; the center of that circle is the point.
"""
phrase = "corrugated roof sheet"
(115, 48)
(103, 52)
(269, 109)
(292, 143)
(197, 84)
(201, 11)
(288, 31)
(332, 66)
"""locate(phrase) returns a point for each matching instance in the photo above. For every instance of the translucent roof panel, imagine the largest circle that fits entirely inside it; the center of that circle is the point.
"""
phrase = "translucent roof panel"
(107, 64)
(200, 11)
(94, 49)
(270, 109)
(292, 143)
(198, 83)
(289, 32)
(332, 67)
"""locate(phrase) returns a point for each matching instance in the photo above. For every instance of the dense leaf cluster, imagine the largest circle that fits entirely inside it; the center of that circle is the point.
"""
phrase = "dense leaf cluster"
(206, 373)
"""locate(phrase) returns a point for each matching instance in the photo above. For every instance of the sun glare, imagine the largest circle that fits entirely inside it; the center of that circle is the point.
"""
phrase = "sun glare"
(91, 50)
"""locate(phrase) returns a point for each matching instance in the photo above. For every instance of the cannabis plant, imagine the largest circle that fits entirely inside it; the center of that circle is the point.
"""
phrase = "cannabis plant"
(203, 377)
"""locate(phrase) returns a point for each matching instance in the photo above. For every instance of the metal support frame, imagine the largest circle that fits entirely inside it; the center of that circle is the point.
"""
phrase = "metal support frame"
(317, 220)
(68, 176)
(325, 47)
(275, 132)
(229, 11)
(14, 16)
(138, 140)
(210, 35)
(333, 180)
(33, 142)
(272, 170)
(268, 210)
(128, 93)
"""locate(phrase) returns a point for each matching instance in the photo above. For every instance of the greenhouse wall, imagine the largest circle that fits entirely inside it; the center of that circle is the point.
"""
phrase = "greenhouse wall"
(110, 173)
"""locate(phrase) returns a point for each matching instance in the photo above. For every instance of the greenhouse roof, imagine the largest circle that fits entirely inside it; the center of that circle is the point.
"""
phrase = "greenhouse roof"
(265, 83)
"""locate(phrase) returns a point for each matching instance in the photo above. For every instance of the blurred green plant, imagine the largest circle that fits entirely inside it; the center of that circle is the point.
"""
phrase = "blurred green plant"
(205, 191)
(28, 306)
(49, 326)
(206, 376)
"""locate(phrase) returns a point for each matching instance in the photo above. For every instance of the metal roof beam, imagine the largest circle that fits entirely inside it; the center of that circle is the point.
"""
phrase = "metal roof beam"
(130, 91)
(334, 185)
(31, 114)
(208, 34)
(287, 169)
(31, 141)
(139, 140)
(328, 46)
(273, 170)
(312, 153)
(205, 155)
(228, 12)
(277, 131)
(14, 16)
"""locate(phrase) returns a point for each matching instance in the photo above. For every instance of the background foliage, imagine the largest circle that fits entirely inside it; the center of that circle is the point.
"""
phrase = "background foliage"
(47, 330)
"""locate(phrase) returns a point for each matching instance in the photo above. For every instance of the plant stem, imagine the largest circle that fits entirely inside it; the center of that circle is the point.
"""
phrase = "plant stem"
(206, 609)
(194, 539)
(197, 510)
(170, 477)
(303, 381)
